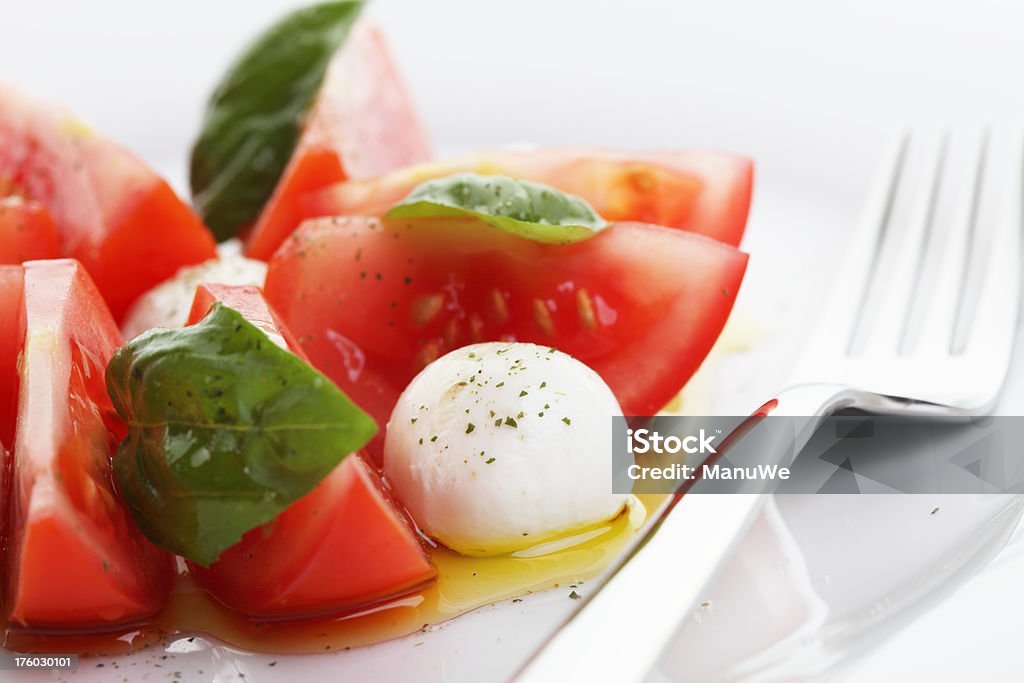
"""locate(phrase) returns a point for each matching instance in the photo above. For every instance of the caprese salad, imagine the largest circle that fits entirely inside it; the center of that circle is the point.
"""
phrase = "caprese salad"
(406, 371)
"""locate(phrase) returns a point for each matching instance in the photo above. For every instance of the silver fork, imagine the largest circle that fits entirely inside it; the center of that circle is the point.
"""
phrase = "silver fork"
(902, 332)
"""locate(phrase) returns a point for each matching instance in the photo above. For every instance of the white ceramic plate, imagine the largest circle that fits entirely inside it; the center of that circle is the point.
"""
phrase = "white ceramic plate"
(811, 91)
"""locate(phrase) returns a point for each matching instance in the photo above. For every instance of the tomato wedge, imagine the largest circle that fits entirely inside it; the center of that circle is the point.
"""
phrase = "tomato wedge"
(698, 191)
(247, 300)
(113, 214)
(345, 544)
(26, 231)
(362, 124)
(12, 333)
(75, 559)
(373, 301)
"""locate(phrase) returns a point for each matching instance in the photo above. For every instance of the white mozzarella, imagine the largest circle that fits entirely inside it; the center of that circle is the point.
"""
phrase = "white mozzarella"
(500, 446)
(168, 304)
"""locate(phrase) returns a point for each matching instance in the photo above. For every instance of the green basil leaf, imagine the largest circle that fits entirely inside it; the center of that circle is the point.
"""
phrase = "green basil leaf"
(531, 210)
(225, 430)
(254, 117)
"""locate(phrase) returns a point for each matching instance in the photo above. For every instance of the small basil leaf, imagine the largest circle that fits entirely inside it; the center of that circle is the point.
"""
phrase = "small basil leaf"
(255, 115)
(225, 430)
(531, 210)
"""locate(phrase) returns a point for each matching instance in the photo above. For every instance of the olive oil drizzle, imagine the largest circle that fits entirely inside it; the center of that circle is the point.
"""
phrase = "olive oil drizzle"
(463, 584)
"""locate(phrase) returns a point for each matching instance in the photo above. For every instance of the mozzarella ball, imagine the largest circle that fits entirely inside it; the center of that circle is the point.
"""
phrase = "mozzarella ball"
(168, 304)
(500, 446)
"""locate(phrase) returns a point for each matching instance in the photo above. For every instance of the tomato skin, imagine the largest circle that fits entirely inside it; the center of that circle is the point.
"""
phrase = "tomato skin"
(340, 547)
(694, 190)
(27, 232)
(111, 212)
(12, 334)
(372, 302)
(362, 124)
(249, 301)
(75, 560)
(344, 545)
(156, 238)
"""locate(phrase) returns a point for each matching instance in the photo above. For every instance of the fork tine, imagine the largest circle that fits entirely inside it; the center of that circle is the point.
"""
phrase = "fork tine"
(906, 246)
(935, 335)
(969, 262)
(989, 340)
(842, 310)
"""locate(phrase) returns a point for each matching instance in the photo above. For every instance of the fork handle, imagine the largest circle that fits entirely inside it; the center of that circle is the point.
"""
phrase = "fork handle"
(622, 626)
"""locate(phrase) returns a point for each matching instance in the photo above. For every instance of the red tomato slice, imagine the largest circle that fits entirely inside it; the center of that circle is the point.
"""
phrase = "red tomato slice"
(247, 300)
(12, 333)
(76, 560)
(343, 545)
(698, 191)
(362, 124)
(26, 231)
(372, 302)
(113, 214)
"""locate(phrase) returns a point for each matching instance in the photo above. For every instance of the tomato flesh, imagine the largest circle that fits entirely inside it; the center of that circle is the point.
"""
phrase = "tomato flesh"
(111, 212)
(75, 558)
(372, 302)
(362, 125)
(698, 191)
(343, 545)
(27, 232)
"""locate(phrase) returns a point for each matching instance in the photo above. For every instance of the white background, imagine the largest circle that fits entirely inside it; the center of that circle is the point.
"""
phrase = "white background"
(732, 73)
